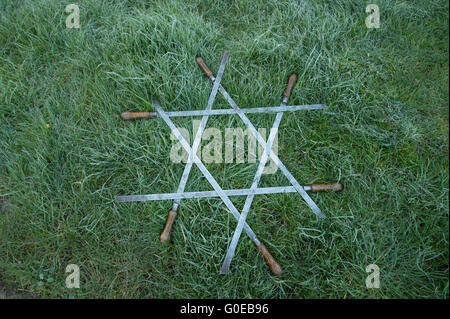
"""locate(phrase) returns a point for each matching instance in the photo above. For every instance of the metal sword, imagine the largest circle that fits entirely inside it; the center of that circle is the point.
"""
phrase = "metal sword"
(337, 187)
(165, 235)
(273, 265)
(259, 171)
(261, 141)
(269, 109)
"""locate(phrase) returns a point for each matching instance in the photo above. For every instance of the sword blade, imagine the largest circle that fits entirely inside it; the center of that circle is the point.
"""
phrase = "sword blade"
(252, 110)
(206, 194)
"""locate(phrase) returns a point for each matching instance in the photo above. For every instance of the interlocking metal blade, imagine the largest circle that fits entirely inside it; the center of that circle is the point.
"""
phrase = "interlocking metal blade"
(206, 194)
(218, 191)
(251, 110)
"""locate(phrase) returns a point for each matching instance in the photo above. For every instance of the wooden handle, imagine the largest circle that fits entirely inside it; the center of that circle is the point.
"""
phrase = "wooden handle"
(203, 67)
(273, 265)
(136, 115)
(291, 83)
(165, 235)
(337, 187)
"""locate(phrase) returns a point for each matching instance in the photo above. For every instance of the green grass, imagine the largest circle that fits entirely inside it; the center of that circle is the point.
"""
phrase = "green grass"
(384, 136)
